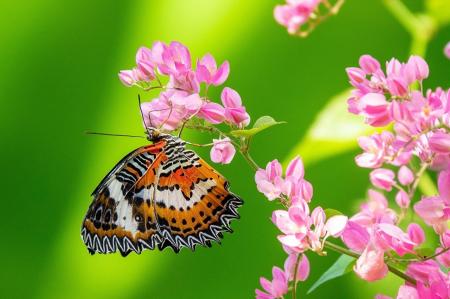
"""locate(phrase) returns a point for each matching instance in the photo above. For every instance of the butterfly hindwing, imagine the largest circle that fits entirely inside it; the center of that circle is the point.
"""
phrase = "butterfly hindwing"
(111, 221)
(160, 195)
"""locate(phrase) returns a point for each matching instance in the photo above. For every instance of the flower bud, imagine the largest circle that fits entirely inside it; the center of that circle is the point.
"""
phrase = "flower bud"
(222, 151)
(369, 64)
(418, 66)
(416, 233)
(405, 175)
(382, 178)
(439, 142)
(402, 199)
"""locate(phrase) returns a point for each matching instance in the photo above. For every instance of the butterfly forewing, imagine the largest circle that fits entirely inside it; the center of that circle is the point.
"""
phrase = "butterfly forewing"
(159, 195)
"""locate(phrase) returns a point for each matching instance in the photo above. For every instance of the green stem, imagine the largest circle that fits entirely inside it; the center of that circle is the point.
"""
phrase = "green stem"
(297, 263)
(420, 27)
(391, 268)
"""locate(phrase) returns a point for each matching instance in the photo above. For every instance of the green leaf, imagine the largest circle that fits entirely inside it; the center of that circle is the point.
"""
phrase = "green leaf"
(334, 131)
(343, 265)
(332, 212)
(261, 124)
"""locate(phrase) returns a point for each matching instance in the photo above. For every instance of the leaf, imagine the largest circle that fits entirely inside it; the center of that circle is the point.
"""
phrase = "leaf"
(261, 124)
(332, 212)
(342, 266)
(334, 131)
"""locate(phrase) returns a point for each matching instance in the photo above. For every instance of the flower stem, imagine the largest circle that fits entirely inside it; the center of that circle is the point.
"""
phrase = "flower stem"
(420, 27)
(391, 268)
(297, 263)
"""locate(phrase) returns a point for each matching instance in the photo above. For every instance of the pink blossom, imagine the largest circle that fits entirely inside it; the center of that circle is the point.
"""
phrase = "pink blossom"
(431, 281)
(402, 199)
(375, 210)
(127, 77)
(295, 169)
(439, 142)
(335, 225)
(222, 151)
(145, 63)
(302, 269)
(447, 50)
(382, 178)
(355, 236)
(208, 72)
(397, 86)
(405, 175)
(416, 233)
(295, 186)
(418, 68)
(370, 265)
(389, 236)
(275, 288)
(269, 181)
(295, 13)
(212, 112)
(375, 109)
(234, 111)
(170, 109)
(377, 148)
(176, 59)
(369, 64)
(186, 81)
(435, 210)
(407, 292)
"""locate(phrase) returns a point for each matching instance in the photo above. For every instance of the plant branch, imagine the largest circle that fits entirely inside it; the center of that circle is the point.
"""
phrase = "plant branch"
(348, 252)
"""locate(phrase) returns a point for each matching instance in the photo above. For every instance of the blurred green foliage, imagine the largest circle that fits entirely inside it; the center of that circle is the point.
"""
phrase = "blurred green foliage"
(59, 64)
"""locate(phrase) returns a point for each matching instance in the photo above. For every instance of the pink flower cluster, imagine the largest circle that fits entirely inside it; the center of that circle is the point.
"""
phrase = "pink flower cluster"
(281, 277)
(182, 97)
(300, 17)
(301, 230)
(295, 13)
(421, 135)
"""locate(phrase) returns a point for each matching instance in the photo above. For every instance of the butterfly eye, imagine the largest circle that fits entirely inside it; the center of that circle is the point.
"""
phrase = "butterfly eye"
(138, 218)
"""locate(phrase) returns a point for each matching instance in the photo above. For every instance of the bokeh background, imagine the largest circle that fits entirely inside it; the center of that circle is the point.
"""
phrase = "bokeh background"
(58, 77)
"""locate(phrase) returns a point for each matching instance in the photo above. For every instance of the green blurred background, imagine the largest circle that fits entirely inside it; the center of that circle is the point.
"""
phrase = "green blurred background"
(58, 66)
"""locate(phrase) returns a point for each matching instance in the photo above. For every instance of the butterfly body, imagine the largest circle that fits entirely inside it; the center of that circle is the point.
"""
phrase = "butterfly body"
(160, 195)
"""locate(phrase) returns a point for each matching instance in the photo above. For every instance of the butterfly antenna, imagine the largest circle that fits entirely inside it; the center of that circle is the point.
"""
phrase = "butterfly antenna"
(142, 115)
(111, 134)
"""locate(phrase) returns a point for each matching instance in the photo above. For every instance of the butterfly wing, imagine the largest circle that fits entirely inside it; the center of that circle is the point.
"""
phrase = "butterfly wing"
(192, 202)
(114, 220)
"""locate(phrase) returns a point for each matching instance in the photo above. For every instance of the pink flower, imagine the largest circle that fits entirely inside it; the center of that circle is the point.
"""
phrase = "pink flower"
(388, 236)
(370, 265)
(269, 181)
(439, 142)
(302, 269)
(295, 186)
(375, 109)
(355, 236)
(402, 199)
(186, 81)
(295, 169)
(416, 233)
(397, 86)
(127, 77)
(369, 64)
(145, 63)
(234, 111)
(295, 13)
(176, 59)
(335, 225)
(374, 211)
(376, 149)
(418, 68)
(435, 210)
(407, 292)
(275, 288)
(170, 109)
(405, 175)
(222, 151)
(212, 112)
(382, 178)
(431, 281)
(207, 71)
(447, 50)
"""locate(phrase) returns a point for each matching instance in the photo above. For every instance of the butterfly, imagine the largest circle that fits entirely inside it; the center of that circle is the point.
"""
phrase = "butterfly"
(159, 195)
